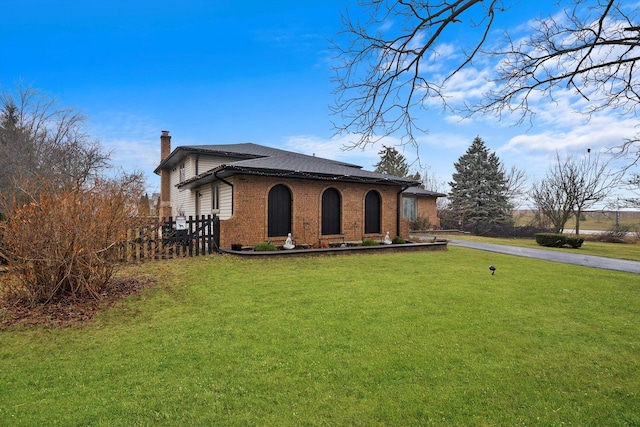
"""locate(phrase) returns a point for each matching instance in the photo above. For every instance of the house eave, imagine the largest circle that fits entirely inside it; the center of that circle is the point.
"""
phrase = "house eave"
(419, 192)
(183, 151)
(225, 171)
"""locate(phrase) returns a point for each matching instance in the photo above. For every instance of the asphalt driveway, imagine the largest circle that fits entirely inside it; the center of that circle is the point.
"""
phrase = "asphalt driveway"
(565, 257)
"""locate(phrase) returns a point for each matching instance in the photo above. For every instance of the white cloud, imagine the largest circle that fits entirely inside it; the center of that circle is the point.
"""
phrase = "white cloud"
(598, 134)
(134, 142)
(446, 141)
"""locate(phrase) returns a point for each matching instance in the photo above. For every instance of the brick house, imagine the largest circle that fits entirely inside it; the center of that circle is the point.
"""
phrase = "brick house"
(420, 203)
(261, 193)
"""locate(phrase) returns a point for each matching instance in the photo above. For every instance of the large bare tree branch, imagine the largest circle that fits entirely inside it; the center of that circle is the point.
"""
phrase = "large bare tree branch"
(381, 76)
(393, 65)
(588, 49)
(44, 140)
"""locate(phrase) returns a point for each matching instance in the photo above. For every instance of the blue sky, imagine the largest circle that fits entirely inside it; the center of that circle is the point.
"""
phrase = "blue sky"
(254, 71)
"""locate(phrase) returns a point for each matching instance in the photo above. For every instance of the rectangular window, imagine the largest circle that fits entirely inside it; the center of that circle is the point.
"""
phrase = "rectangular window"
(182, 172)
(409, 207)
(215, 198)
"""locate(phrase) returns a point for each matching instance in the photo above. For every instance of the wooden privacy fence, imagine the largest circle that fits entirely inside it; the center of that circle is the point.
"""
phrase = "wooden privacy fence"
(172, 238)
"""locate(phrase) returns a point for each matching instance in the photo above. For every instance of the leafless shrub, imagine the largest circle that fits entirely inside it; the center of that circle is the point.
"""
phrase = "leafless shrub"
(622, 233)
(65, 242)
(420, 223)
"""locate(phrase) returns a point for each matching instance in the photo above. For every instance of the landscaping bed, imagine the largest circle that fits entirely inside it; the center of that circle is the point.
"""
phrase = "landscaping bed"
(345, 248)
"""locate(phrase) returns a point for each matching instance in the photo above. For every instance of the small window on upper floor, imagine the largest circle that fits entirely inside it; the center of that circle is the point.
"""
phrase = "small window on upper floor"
(182, 176)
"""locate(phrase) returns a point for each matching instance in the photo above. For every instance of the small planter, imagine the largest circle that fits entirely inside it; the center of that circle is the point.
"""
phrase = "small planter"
(236, 247)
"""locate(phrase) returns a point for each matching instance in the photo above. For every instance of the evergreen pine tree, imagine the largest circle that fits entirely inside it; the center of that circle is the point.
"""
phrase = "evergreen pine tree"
(13, 147)
(392, 162)
(479, 190)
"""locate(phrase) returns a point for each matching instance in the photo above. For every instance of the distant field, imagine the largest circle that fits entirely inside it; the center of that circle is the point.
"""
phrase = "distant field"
(591, 220)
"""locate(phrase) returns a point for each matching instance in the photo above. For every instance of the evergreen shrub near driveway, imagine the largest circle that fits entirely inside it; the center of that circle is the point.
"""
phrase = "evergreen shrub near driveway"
(556, 240)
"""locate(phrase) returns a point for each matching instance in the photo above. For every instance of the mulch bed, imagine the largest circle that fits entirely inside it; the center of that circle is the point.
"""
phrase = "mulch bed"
(68, 312)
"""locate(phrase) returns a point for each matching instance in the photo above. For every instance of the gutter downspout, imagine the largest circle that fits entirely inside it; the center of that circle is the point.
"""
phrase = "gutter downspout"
(399, 209)
(215, 174)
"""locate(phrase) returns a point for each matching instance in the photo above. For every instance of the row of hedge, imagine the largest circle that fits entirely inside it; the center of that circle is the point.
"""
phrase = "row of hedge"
(555, 240)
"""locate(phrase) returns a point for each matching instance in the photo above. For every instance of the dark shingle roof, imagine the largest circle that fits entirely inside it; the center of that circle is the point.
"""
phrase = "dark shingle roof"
(257, 159)
(417, 191)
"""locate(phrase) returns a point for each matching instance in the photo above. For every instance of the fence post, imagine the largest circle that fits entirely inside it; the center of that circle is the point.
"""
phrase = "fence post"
(189, 241)
(209, 233)
(160, 239)
(203, 241)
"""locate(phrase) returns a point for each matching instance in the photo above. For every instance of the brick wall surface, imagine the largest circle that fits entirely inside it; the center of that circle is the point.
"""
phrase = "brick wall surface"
(427, 208)
(249, 223)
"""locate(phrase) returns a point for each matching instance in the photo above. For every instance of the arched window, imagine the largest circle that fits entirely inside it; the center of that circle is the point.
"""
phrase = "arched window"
(279, 211)
(331, 211)
(372, 212)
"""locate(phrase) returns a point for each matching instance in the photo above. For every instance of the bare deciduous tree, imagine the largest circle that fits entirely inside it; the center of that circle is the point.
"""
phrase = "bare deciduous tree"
(516, 186)
(63, 221)
(572, 186)
(634, 186)
(552, 201)
(39, 138)
(393, 63)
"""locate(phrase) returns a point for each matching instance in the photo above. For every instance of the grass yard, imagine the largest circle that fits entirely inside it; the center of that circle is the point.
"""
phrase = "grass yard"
(425, 338)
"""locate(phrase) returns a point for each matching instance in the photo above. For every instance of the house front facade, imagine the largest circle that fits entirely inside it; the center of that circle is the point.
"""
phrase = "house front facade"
(421, 204)
(262, 194)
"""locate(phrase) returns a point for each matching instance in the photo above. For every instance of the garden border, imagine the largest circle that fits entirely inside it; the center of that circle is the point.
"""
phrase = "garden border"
(406, 247)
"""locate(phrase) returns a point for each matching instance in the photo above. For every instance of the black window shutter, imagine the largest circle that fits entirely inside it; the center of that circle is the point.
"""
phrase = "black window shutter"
(279, 211)
(331, 211)
(372, 214)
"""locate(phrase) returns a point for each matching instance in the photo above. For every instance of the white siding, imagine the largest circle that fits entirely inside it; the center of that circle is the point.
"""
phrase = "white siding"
(184, 201)
(205, 200)
(206, 163)
(226, 199)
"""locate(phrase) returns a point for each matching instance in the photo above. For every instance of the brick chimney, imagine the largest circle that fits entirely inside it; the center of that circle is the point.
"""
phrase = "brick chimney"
(165, 181)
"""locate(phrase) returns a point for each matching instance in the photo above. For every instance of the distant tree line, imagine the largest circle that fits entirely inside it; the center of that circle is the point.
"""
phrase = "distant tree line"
(483, 193)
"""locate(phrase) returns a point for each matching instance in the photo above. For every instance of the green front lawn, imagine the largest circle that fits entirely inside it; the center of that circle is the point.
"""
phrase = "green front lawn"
(428, 338)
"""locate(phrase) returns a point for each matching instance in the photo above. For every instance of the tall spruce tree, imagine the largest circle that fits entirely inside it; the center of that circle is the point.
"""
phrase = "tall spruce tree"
(479, 190)
(392, 162)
